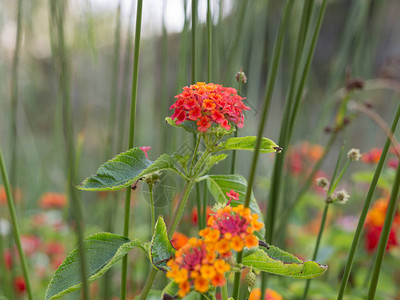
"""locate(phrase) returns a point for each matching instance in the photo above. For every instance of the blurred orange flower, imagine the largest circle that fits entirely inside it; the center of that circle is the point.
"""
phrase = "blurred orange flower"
(179, 240)
(53, 201)
(3, 196)
(269, 295)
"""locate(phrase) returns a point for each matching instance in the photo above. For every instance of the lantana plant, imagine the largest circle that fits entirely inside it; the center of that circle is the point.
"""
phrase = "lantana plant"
(211, 112)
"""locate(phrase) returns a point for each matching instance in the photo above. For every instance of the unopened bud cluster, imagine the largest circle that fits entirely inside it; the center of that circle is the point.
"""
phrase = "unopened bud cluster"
(241, 77)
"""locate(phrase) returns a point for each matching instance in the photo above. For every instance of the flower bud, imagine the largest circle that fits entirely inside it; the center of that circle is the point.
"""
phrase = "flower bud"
(354, 154)
(341, 196)
(241, 77)
(322, 182)
(251, 280)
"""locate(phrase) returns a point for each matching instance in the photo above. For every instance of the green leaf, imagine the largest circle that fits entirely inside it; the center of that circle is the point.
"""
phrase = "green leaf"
(125, 169)
(248, 143)
(211, 161)
(219, 185)
(161, 249)
(103, 250)
(277, 261)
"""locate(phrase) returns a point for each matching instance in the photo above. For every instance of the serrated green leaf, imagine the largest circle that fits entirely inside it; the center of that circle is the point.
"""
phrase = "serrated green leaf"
(248, 143)
(125, 169)
(219, 185)
(161, 249)
(277, 261)
(103, 250)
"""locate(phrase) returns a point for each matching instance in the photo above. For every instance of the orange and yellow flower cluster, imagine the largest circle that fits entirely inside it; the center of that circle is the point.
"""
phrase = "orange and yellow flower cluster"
(201, 263)
(207, 104)
(232, 228)
(197, 264)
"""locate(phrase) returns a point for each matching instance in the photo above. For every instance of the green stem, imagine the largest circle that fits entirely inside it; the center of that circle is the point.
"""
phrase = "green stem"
(177, 216)
(153, 215)
(131, 137)
(339, 177)
(196, 148)
(321, 229)
(179, 210)
(60, 55)
(149, 282)
(390, 214)
(286, 130)
(194, 24)
(364, 212)
(16, 231)
(224, 291)
(14, 96)
(270, 87)
(209, 41)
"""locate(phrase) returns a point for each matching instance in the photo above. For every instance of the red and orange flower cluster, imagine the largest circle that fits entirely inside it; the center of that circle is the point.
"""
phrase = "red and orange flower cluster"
(374, 223)
(209, 103)
(201, 263)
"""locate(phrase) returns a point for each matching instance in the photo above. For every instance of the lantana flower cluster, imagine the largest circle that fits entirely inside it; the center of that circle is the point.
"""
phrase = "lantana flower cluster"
(374, 224)
(196, 264)
(209, 103)
(232, 228)
(202, 262)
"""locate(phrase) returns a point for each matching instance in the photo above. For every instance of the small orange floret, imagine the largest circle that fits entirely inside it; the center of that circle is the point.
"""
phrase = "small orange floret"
(237, 243)
(184, 288)
(179, 240)
(251, 241)
(201, 284)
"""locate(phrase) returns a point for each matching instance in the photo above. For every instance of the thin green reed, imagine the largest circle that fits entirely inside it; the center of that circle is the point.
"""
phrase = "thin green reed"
(14, 96)
(354, 26)
(328, 201)
(125, 84)
(14, 221)
(131, 137)
(364, 212)
(291, 110)
(227, 70)
(57, 10)
(270, 88)
(390, 213)
(114, 83)
(108, 217)
(194, 30)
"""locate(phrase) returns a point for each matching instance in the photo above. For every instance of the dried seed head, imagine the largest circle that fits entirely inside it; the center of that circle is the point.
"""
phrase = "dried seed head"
(241, 77)
(354, 84)
(322, 182)
(341, 196)
(354, 154)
